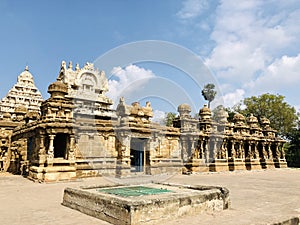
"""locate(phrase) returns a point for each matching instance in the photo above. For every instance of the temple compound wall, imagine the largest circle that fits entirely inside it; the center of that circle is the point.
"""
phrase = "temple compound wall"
(75, 133)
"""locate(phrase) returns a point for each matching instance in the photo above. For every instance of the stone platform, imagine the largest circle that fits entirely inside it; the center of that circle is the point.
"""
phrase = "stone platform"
(257, 197)
(145, 204)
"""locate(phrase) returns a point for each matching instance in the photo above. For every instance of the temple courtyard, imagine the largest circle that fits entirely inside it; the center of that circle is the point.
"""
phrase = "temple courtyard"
(257, 197)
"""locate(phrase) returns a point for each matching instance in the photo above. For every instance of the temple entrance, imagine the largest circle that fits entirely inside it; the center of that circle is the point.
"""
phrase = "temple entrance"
(138, 156)
(29, 147)
(60, 145)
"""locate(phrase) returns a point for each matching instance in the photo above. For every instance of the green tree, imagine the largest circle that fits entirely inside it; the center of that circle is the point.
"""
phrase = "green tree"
(293, 148)
(233, 110)
(169, 119)
(209, 93)
(231, 114)
(282, 116)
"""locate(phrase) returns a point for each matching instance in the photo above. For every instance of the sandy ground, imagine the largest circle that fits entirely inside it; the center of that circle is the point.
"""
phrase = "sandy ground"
(257, 197)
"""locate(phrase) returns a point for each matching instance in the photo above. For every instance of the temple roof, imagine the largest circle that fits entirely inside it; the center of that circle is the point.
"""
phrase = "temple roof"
(26, 78)
(23, 93)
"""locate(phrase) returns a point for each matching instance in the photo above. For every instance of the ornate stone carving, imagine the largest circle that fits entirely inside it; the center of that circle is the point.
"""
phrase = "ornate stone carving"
(221, 115)
(23, 94)
(87, 87)
(184, 110)
(205, 113)
(78, 134)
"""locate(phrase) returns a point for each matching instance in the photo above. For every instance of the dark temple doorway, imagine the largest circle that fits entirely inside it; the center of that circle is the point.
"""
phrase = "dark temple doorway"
(139, 158)
(60, 145)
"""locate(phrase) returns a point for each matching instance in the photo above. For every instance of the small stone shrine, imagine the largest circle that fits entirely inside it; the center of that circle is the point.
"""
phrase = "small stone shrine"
(75, 133)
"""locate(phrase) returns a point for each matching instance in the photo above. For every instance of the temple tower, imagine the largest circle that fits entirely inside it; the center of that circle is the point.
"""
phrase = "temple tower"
(23, 93)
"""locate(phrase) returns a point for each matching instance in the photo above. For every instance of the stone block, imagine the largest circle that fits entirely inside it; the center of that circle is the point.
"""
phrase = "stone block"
(267, 163)
(52, 173)
(280, 163)
(252, 164)
(219, 165)
(236, 164)
(196, 165)
(169, 201)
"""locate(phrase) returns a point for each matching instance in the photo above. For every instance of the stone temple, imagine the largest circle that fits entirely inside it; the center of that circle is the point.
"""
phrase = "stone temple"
(75, 133)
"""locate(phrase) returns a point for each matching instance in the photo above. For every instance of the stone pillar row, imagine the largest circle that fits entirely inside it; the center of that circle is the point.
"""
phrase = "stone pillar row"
(50, 150)
(219, 149)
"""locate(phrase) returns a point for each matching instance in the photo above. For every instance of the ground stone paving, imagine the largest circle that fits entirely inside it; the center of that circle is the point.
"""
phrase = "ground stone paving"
(257, 197)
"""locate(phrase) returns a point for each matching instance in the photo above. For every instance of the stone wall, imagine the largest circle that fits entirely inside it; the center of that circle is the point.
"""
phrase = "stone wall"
(217, 145)
(76, 133)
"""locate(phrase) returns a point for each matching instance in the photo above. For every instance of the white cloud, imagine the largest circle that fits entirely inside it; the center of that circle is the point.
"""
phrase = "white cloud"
(192, 9)
(126, 79)
(236, 61)
(229, 99)
(287, 68)
(255, 48)
(245, 41)
(159, 117)
(281, 75)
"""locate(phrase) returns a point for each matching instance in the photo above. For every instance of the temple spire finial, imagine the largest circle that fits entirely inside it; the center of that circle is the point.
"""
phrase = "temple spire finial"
(70, 66)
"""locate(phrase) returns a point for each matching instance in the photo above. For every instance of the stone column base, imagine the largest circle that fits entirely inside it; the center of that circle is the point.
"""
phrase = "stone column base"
(252, 164)
(267, 163)
(52, 174)
(122, 169)
(236, 164)
(162, 165)
(96, 167)
(219, 165)
(280, 163)
(197, 165)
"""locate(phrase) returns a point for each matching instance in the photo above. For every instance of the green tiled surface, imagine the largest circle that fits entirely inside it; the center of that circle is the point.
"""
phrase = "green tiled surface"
(134, 191)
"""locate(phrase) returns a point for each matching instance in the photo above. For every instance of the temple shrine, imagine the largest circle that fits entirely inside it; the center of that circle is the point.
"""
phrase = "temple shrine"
(76, 133)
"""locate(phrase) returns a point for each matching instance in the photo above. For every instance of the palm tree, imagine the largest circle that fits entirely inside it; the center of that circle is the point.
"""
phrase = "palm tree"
(209, 93)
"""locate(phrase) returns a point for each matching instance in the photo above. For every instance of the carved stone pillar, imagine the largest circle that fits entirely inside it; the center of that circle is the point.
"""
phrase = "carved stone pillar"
(238, 150)
(279, 157)
(220, 153)
(206, 151)
(192, 147)
(252, 161)
(42, 151)
(277, 154)
(241, 150)
(233, 153)
(282, 153)
(201, 149)
(266, 153)
(263, 151)
(256, 153)
(71, 152)
(225, 148)
(215, 149)
(124, 148)
(238, 153)
(184, 150)
(250, 150)
(50, 154)
(269, 151)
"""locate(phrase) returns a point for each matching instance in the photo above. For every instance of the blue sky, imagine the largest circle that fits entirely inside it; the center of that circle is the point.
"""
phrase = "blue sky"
(250, 47)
